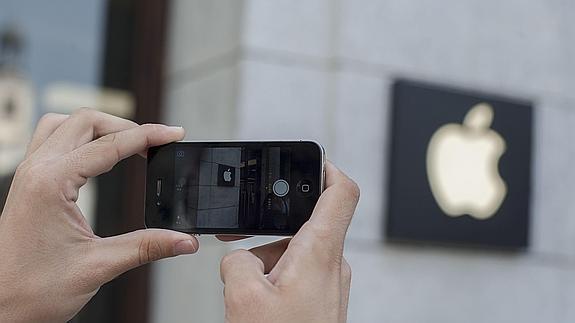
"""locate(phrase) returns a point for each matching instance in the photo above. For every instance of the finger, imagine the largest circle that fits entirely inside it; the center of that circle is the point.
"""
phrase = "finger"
(345, 288)
(333, 175)
(81, 127)
(241, 267)
(271, 253)
(100, 155)
(230, 238)
(45, 128)
(325, 232)
(116, 255)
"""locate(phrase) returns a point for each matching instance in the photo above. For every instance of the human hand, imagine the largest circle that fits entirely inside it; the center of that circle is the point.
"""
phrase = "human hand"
(309, 279)
(51, 261)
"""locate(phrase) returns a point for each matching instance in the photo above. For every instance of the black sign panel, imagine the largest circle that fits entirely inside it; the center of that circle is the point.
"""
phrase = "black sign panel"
(460, 167)
(226, 175)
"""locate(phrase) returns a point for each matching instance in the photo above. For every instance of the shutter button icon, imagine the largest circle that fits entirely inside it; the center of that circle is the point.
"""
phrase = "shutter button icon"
(281, 188)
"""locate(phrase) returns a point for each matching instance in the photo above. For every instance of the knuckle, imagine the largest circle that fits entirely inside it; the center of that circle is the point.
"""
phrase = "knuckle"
(109, 138)
(230, 258)
(106, 139)
(84, 112)
(149, 250)
(352, 189)
(48, 119)
(84, 116)
(346, 271)
(73, 162)
(226, 260)
(110, 144)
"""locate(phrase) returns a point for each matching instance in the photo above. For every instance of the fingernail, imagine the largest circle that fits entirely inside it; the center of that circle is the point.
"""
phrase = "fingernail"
(185, 247)
(177, 129)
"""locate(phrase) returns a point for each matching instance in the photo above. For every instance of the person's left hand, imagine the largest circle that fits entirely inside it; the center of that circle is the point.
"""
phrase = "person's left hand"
(51, 263)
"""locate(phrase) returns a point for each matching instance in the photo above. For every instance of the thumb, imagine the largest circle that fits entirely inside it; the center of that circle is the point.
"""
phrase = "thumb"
(241, 270)
(118, 254)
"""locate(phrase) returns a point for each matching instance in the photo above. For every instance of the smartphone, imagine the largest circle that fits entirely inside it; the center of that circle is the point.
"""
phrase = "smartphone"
(236, 188)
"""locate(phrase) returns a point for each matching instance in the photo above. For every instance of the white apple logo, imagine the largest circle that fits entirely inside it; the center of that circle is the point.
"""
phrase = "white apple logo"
(228, 175)
(462, 166)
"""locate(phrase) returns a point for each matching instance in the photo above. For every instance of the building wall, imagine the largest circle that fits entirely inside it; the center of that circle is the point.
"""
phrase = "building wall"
(218, 205)
(322, 70)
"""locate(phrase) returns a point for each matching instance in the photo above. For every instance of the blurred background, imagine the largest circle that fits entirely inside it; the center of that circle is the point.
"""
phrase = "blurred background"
(315, 69)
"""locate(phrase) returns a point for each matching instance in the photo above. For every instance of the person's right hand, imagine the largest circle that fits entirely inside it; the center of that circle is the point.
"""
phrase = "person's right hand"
(309, 279)
(51, 262)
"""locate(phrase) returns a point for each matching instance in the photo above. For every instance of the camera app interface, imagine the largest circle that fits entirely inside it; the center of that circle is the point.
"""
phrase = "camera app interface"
(249, 187)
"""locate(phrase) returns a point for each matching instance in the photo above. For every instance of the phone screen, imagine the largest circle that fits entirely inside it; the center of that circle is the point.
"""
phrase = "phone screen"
(234, 187)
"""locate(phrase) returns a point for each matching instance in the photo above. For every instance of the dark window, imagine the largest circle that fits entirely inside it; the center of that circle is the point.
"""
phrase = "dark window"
(9, 108)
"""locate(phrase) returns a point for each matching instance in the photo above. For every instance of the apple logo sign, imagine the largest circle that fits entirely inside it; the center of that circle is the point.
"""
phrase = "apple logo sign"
(228, 175)
(462, 165)
(459, 166)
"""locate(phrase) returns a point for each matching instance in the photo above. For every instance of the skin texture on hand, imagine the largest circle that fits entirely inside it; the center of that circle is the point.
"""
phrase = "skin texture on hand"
(309, 279)
(51, 262)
